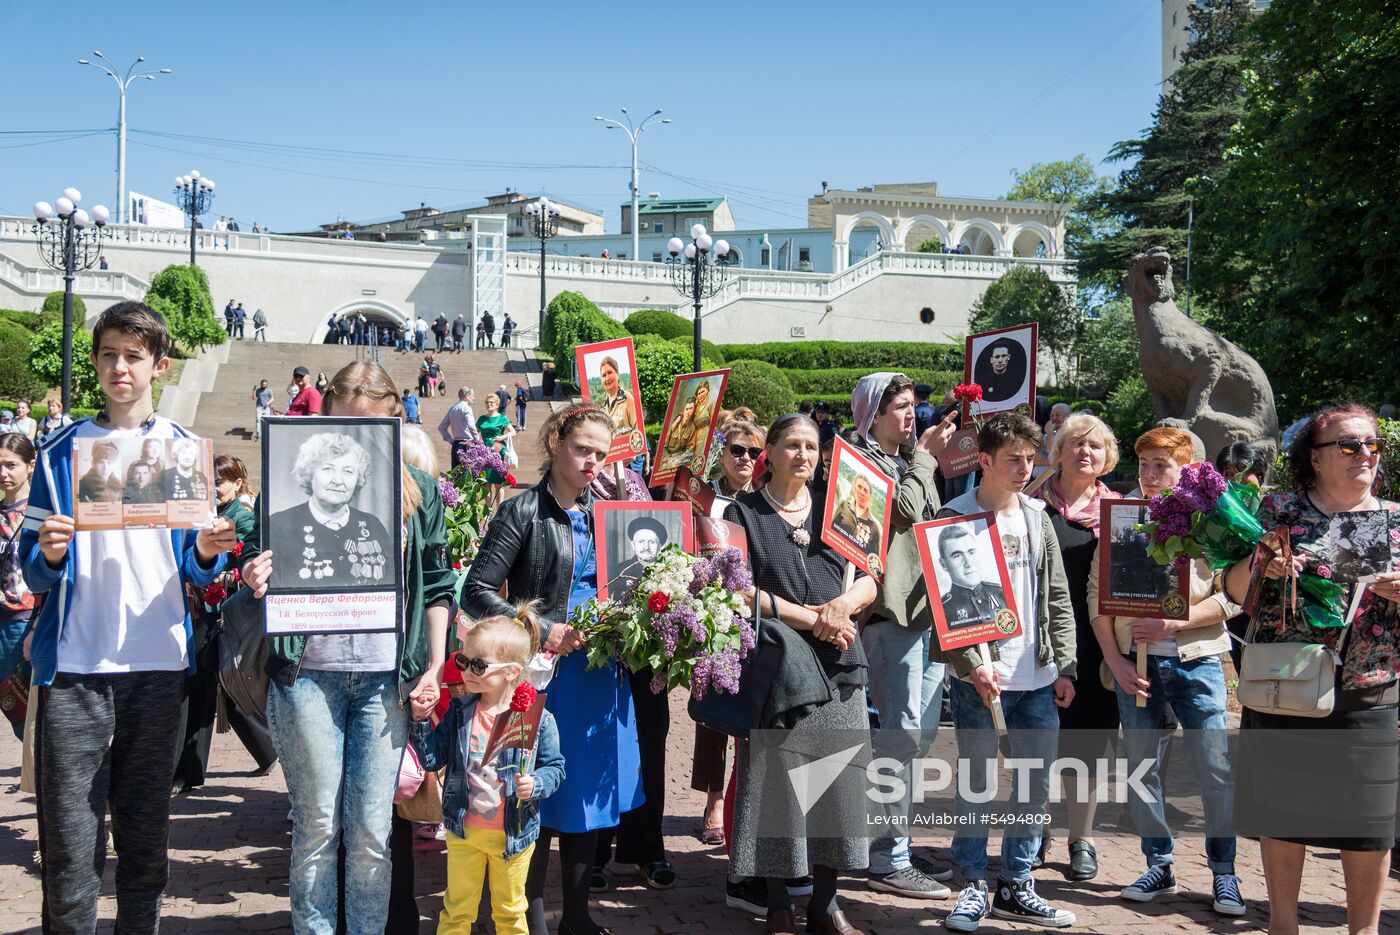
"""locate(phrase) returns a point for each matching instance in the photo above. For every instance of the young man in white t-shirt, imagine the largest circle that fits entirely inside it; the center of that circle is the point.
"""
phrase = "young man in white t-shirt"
(1031, 673)
(111, 648)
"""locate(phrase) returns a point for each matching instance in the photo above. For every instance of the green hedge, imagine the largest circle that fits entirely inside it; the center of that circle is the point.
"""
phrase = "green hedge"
(53, 310)
(825, 382)
(658, 365)
(839, 404)
(760, 386)
(16, 376)
(708, 349)
(570, 320)
(29, 321)
(657, 321)
(864, 355)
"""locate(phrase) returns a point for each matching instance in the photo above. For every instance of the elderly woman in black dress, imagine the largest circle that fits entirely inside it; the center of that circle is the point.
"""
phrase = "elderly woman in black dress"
(799, 582)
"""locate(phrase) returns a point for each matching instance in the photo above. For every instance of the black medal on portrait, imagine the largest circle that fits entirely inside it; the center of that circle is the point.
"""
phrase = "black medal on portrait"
(331, 514)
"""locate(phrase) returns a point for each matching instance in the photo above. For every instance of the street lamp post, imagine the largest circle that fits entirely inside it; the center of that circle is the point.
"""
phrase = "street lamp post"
(632, 134)
(543, 217)
(123, 84)
(698, 270)
(194, 193)
(1191, 186)
(70, 243)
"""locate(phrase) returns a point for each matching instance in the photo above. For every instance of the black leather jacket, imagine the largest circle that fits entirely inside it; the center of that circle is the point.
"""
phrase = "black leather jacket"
(529, 547)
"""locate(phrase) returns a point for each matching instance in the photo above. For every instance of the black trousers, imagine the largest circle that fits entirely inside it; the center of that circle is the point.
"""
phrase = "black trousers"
(638, 834)
(198, 712)
(105, 740)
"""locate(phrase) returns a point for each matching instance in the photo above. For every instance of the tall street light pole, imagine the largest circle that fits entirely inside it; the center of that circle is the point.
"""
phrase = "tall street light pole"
(632, 134)
(1192, 184)
(543, 217)
(123, 84)
(698, 270)
(194, 193)
(69, 244)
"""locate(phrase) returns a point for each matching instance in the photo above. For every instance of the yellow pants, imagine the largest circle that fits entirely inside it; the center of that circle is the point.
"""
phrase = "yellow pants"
(470, 862)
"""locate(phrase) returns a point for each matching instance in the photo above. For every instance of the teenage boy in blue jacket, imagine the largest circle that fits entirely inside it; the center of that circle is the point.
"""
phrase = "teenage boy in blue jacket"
(111, 647)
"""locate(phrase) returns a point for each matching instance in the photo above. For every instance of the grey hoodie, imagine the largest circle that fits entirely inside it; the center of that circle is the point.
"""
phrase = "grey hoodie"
(1054, 617)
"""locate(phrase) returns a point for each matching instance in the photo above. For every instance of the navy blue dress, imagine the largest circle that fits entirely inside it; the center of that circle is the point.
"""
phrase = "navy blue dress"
(597, 730)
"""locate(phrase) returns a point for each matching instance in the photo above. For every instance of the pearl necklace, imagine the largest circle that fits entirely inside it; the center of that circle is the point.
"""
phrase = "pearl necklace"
(806, 504)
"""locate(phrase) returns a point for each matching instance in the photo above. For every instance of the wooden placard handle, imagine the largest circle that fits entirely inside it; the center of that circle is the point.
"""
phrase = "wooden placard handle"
(1141, 669)
(998, 715)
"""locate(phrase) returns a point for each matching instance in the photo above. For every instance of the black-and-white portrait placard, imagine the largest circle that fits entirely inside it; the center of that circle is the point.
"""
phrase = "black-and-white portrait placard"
(331, 507)
(969, 580)
(1131, 582)
(1002, 362)
(631, 533)
(1360, 544)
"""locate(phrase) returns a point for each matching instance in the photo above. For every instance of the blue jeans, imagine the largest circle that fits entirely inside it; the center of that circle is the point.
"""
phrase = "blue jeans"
(340, 736)
(1193, 692)
(1033, 723)
(908, 692)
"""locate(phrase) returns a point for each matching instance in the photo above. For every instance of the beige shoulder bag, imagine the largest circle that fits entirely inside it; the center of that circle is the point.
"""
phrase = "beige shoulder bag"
(1293, 679)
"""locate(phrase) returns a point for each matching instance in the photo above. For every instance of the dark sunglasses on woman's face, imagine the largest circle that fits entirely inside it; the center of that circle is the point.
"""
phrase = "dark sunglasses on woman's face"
(1353, 446)
(478, 666)
(740, 451)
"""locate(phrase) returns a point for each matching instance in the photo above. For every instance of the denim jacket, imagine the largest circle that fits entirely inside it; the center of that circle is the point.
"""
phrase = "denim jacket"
(445, 746)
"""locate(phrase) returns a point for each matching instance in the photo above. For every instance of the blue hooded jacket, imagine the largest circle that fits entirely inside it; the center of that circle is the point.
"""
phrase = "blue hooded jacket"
(52, 493)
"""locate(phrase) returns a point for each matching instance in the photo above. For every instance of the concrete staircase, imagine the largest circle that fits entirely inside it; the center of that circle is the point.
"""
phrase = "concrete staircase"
(225, 412)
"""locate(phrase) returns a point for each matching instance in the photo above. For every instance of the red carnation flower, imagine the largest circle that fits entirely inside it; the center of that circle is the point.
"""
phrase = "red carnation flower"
(510, 480)
(523, 697)
(967, 393)
(658, 602)
(237, 549)
(214, 594)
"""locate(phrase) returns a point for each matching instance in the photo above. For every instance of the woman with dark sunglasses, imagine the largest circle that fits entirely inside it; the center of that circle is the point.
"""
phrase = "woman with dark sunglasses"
(743, 443)
(1334, 458)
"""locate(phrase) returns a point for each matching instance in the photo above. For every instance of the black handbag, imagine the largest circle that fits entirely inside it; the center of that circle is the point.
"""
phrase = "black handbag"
(733, 714)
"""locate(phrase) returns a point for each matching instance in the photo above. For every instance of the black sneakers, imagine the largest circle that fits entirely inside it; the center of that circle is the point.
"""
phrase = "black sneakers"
(1021, 903)
(1159, 880)
(747, 893)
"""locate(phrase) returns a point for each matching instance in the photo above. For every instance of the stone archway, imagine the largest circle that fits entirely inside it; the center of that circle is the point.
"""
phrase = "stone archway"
(1033, 239)
(922, 221)
(981, 237)
(841, 256)
(379, 312)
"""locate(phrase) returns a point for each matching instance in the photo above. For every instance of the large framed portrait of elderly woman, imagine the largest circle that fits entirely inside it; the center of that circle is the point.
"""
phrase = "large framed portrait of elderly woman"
(689, 426)
(607, 377)
(331, 505)
(858, 504)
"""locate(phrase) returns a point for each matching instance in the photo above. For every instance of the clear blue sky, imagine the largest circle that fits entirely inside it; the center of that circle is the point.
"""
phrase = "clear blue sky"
(768, 100)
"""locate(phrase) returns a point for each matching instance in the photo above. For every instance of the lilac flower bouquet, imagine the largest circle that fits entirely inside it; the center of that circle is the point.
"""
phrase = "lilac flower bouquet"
(684, 619)
(1203, 515)
(465, 494)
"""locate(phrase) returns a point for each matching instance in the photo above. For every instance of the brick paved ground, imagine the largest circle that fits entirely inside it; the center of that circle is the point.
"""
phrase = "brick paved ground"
(229, 871)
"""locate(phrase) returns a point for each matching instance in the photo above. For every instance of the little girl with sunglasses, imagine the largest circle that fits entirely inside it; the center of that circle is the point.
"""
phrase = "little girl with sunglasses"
(491, 809)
